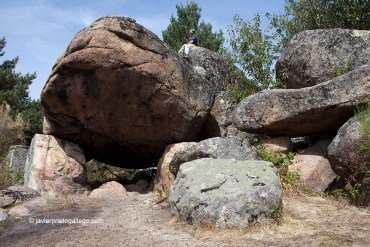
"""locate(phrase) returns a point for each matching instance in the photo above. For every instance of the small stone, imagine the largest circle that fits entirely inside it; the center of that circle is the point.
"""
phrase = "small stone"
(20, 211)
(109, 190)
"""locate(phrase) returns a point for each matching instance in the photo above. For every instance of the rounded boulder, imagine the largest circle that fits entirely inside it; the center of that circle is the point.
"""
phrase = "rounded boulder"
(226, 193)
(123, 94)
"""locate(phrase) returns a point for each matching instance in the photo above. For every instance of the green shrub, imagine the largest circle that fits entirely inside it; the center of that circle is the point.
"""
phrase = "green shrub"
(289, 180)
(352, 194)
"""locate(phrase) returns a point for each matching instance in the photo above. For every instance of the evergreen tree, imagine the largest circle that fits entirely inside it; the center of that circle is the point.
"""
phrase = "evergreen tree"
(177, 32)
(14, 91)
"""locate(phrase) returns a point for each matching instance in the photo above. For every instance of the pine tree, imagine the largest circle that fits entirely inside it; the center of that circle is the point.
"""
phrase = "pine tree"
(188, 17)
(14, 91)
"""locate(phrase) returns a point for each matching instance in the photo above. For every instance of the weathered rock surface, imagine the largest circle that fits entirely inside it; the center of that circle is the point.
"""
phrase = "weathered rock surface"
(3, 215)
(219, 121)
(316, 56)
(109, 190)
(216, 68)
(226, 192)
(313, 167)
(23, 192)
(124, 95)
(15, 161)
(345, 156)
(6, 200)
(213, 67)
(218, 148)
(300, 112)
(282, 145)
(16, 194)
(54, 167)
(139, 187)
(28, 208)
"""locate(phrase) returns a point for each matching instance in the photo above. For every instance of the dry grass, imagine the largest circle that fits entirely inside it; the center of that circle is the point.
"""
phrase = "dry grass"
(7, 121)
(11, 133)
(306, 221)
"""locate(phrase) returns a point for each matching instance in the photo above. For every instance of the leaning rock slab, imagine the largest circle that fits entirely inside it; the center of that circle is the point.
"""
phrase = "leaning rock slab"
(124, 95)
(220, 72)
(219, 121)
(226, 192)
(315, 56)
(54, 167)
(218, 148)
(300, 112)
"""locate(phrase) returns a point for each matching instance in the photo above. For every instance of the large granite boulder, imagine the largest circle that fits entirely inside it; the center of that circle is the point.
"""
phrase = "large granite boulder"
(226, 193)
(316, 56)
(124, 95)
(217, 148)
(345, 154)
(54, 167)
(300, 112)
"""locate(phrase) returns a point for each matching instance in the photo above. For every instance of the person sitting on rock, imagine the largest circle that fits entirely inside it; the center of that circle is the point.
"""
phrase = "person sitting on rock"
(193, 41)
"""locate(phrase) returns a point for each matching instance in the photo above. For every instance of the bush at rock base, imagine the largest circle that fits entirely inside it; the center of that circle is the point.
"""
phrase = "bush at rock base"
(289, 180)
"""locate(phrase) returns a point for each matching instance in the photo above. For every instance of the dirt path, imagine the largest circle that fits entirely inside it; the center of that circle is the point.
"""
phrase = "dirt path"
(137, 221)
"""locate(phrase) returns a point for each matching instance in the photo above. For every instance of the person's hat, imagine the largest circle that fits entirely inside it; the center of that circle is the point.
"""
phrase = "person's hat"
(192, 31)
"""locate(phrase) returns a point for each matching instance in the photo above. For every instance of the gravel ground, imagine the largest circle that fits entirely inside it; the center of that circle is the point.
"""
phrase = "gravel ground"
(138, 221)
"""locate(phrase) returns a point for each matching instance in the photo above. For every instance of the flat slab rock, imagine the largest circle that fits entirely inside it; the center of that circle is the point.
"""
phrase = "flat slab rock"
(226, 192)
(301, 112)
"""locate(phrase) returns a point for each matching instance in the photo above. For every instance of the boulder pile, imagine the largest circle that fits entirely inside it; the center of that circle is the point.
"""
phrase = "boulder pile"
(120, 95)
(328, 73)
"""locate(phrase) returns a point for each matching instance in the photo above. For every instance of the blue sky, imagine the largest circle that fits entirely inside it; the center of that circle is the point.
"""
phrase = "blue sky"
(38, 31)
